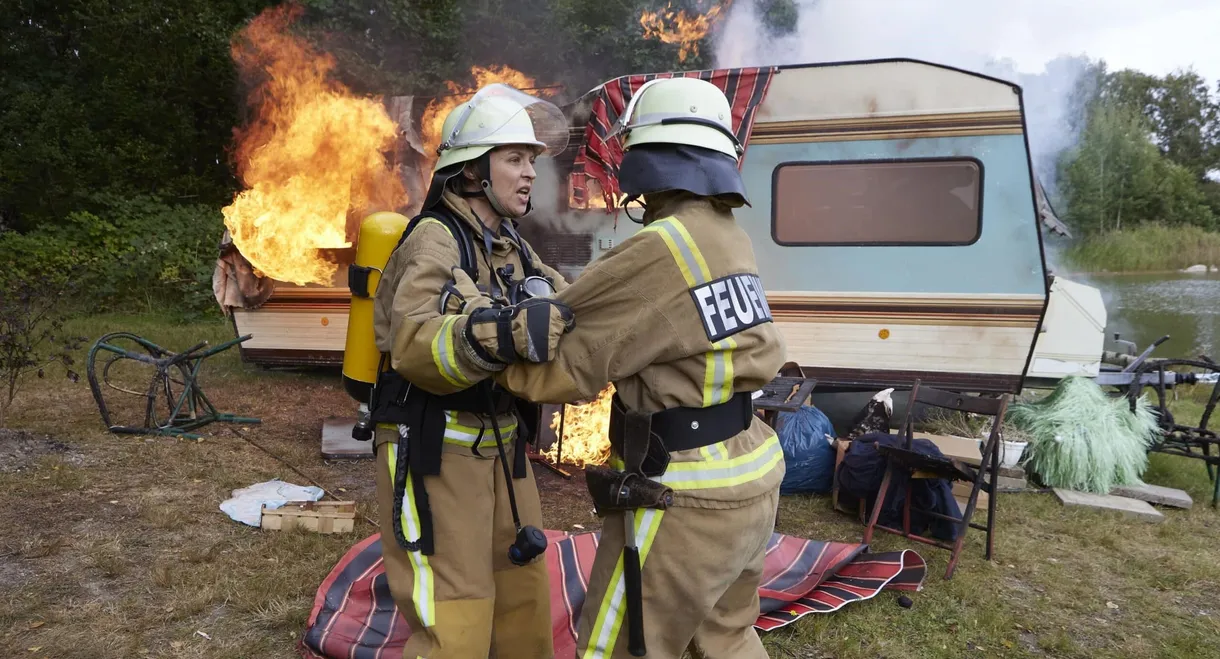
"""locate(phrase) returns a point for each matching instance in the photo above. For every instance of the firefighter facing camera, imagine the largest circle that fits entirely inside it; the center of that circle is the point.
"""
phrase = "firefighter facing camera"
(460, 298)
(676, 317)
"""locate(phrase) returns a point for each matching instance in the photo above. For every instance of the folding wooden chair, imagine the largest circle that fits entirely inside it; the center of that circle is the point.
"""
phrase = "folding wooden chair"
(926, 466)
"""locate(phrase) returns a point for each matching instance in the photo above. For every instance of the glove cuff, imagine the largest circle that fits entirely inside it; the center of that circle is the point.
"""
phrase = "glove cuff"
(473, 351)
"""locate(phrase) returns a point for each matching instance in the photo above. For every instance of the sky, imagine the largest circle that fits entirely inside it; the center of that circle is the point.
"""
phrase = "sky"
(1010, 39)
(1155, 36)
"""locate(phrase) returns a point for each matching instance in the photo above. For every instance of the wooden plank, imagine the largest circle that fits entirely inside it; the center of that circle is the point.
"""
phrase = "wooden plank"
(316, 516)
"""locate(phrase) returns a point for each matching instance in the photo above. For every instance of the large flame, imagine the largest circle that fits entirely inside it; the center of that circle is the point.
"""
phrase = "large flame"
(438, 109)
(312, 152)
(680, 27)
(586, 432)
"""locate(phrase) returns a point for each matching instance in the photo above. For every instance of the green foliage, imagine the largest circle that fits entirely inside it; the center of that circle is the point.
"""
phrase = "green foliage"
(413, 47)
(1183, 113)
(1116, 175)
(780, 16)
(1145, 151)
(1147, 247)
(32, 336)
(128, 96)
(126, 252)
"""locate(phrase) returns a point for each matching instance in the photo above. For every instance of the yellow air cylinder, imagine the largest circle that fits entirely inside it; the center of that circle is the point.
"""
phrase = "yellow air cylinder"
(379, 234)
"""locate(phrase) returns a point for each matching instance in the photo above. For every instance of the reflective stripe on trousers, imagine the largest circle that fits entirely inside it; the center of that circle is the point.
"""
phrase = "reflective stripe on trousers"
(613, 608)
(423, 593)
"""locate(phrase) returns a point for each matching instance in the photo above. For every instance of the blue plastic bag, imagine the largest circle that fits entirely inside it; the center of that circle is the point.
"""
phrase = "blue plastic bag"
(809, 459)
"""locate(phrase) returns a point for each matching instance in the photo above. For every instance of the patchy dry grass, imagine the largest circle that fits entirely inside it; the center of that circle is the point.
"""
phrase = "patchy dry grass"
(114, 546)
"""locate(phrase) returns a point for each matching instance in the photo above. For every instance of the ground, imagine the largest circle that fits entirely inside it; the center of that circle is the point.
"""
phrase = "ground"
(114, 545)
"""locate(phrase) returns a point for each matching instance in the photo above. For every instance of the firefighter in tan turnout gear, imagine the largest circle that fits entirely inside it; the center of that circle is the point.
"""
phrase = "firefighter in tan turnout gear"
(458, 500)
(676, 318)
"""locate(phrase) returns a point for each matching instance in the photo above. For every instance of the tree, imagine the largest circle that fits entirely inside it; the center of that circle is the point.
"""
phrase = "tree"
(122, 95)
(1116, 177)
(1182, 111)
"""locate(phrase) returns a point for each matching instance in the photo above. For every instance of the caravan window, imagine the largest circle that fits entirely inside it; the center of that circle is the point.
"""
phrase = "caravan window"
(906, 202)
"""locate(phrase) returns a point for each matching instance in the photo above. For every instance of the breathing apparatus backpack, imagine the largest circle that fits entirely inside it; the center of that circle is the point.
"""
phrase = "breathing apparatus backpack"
(396, 401)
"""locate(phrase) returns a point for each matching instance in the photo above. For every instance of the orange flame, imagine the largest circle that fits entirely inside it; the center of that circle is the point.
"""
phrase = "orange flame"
(438, 109)
(313, 152)
(680, 27)
(586, 432)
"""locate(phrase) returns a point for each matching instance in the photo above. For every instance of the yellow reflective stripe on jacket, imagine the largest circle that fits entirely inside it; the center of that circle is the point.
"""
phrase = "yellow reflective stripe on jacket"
(445, 358)
(719, 471)
(715, 451)
(684, 250)
(456, 433)
(613, 608)
(442, 343)
(423, 593)
(718, 376)
(433, 220)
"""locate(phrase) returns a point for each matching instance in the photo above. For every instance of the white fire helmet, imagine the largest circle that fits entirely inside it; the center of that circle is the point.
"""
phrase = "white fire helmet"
(500, 115)
(687, 111)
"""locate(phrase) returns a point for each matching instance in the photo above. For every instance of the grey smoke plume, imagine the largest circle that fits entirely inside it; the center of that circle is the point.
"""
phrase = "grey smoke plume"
(967, 35)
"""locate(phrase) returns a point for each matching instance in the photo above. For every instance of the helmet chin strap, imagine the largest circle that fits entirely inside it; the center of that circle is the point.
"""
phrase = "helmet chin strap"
(494, 201)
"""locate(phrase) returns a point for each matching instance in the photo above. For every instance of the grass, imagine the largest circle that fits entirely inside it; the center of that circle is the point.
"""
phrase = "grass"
(114, 545)
(1145, 248)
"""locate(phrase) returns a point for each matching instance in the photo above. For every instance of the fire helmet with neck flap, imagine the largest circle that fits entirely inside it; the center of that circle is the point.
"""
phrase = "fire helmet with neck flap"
(498, 115)
(677, 135)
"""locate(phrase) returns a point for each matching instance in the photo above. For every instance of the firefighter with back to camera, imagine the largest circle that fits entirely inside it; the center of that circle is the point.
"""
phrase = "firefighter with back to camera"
(460, 508)
(677, 319)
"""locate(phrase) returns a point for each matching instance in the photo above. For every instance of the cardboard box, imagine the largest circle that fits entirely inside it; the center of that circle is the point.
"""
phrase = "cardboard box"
(967, 450)
(316, 516)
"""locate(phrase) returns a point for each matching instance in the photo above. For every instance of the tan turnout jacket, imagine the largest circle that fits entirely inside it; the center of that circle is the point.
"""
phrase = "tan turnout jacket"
(670, 316)
(422, 341)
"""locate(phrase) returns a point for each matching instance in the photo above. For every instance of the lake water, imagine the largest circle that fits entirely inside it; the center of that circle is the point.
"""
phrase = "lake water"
(1144, 308)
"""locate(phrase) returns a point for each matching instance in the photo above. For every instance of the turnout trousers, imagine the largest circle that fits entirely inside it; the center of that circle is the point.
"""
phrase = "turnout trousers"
(467, 600)
(700, 569)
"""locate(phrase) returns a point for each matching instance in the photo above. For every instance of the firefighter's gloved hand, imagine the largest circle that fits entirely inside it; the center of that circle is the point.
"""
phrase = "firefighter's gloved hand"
(462, 296)
(529, 331)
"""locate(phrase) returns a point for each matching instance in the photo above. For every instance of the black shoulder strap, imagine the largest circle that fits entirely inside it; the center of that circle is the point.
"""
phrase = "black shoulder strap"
(527, 259)
(459, 232)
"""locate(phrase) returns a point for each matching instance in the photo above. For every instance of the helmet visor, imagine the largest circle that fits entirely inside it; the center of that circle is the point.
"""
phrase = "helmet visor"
(499, 115)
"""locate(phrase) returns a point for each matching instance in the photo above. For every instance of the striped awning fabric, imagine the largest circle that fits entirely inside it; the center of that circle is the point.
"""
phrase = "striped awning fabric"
(598, 158)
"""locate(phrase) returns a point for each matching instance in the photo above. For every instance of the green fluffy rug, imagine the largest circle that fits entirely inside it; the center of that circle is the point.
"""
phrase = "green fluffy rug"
(1081, 439)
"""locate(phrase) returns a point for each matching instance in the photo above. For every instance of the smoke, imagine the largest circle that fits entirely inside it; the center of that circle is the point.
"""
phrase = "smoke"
(551, 224)
(966, 35)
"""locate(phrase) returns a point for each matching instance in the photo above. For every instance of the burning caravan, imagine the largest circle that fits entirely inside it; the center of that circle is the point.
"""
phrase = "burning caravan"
(895, 219)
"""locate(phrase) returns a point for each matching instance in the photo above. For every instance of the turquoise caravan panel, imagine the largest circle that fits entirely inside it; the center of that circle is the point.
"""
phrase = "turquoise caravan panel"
(1006, 258)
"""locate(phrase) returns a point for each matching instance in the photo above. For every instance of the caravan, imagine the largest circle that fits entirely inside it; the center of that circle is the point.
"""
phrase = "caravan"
(895, 217)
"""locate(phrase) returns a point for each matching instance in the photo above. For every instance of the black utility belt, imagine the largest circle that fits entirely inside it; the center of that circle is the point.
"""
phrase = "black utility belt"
(394, 394)
(686, 428)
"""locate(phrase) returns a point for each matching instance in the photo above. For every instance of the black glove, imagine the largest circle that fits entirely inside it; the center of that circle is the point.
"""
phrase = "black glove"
(530, 330)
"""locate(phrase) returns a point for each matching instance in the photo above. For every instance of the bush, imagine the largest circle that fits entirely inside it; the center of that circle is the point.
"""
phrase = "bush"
(1147, 247)
(32, 336)
(131, 252)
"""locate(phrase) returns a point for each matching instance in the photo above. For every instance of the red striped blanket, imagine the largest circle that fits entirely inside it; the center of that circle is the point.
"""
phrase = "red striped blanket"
(354, 616)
